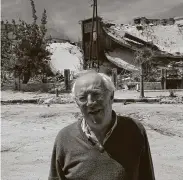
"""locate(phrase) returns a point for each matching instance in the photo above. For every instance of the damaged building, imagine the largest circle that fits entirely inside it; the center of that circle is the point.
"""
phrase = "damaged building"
(118, 44)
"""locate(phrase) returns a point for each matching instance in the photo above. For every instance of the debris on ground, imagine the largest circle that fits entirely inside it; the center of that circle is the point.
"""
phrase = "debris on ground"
(171, 100)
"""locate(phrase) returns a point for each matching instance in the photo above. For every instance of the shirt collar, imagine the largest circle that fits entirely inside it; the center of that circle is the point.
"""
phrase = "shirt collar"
(90, 134)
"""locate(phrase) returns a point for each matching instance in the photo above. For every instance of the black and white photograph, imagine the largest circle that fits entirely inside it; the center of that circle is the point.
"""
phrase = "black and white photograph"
(91, 90)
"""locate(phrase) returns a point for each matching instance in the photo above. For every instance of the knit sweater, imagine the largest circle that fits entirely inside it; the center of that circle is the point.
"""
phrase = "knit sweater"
(125, 155)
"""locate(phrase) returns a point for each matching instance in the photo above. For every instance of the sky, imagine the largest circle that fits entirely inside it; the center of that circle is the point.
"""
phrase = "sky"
(64, 15)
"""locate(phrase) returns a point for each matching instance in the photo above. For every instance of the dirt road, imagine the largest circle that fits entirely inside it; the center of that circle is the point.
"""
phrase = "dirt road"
(28, 133)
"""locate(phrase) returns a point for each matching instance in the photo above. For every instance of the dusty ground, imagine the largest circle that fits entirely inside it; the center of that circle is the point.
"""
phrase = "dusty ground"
(122, 94)
(28, 133)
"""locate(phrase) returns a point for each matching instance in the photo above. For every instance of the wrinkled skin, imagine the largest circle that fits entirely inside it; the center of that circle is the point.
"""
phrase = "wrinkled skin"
(95, 102)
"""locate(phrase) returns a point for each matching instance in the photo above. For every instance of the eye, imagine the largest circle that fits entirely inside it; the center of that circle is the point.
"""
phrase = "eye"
(82, 98)
(95, 94)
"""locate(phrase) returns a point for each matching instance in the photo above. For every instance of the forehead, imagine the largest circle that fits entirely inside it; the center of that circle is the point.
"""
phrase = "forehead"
(89, 82)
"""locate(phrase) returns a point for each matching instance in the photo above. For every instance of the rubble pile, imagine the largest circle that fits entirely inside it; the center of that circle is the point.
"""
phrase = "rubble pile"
(65, 56)
(171, 100)
(62, 99)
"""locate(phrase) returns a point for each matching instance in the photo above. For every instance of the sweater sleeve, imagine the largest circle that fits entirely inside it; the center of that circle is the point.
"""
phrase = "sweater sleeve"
(56, 172)
(146, 169)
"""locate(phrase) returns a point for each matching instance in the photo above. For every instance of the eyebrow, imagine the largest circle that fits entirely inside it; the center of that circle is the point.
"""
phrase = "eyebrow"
(83, 91)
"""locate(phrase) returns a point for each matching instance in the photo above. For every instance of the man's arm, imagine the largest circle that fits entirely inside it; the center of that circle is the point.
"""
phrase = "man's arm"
(56, 172)
(146, 169)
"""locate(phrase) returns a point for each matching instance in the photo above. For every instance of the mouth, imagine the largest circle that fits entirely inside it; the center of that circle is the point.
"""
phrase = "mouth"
(93, 112)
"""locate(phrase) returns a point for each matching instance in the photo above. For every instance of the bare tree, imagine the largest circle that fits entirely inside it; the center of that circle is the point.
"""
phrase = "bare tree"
(143, 58)
(144, 55)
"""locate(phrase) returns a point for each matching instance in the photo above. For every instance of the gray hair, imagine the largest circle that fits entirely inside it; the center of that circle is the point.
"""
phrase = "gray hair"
(106, 79)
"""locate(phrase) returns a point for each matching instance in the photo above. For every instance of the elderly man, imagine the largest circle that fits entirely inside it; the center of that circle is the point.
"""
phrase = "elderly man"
(102, 145)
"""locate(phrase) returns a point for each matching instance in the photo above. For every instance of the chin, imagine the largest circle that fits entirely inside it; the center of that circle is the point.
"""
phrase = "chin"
(97, 120)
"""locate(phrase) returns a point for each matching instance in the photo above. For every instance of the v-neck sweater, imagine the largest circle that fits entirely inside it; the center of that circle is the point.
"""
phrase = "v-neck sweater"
(125, 155)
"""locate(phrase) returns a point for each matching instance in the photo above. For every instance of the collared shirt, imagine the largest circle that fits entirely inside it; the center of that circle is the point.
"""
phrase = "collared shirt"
(91, 135)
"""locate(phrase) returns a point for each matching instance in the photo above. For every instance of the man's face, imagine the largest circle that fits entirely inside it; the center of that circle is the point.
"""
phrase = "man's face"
(94, 100)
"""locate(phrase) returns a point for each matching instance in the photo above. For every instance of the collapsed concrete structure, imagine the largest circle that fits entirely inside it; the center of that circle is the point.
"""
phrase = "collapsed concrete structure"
(119, 43)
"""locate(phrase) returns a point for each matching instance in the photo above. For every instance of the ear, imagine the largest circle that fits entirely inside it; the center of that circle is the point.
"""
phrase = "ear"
(76, 102)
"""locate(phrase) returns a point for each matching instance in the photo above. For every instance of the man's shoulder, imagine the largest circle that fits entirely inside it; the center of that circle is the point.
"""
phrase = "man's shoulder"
(130, 124)
(67, 132)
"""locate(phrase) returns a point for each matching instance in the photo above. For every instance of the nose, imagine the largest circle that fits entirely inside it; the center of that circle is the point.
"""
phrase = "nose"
(90, 100)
